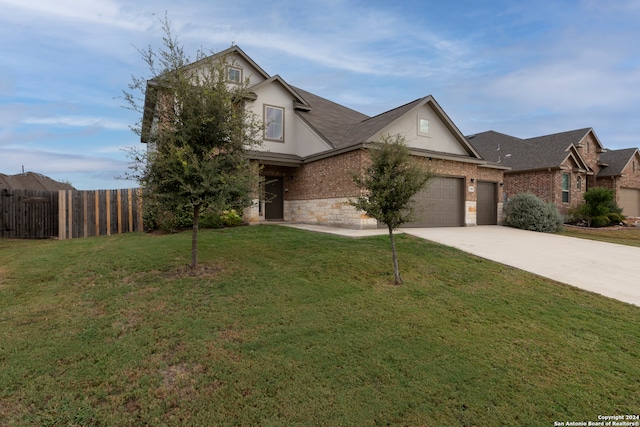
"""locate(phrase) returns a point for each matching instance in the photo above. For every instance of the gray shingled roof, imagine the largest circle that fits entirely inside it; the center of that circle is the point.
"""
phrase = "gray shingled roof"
(615, 161)
(31, 181)
(366, 128)
(332, 121)
(548, 151)
(343, 127)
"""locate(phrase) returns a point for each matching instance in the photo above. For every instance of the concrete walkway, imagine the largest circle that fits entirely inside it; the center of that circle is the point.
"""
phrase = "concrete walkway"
(604, 268)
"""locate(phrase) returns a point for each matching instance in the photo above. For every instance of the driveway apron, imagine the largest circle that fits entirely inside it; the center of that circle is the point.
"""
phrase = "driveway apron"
(604, 268)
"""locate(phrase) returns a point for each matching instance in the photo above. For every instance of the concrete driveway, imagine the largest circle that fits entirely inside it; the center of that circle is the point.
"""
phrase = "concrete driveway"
(605, 268)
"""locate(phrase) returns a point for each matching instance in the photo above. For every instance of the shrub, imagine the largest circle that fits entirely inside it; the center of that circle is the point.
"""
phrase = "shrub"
(599, 221)
(210, 219)
(599, 208)
(575, 215)
(165, 219)
(528, 212)
(213, 219)
(231, 218)
(615, 218)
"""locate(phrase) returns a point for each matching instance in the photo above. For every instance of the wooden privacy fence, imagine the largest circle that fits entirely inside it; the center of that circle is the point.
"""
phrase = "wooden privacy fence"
(28, 214)
(69, 214)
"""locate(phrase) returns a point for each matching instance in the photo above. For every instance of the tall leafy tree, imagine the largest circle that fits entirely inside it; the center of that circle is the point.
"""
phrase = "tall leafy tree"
(198, 132)
(389, 184)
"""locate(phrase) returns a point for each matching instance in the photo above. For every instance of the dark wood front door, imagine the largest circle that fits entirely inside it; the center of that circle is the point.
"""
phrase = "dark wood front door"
(487, 204)
(273, 198)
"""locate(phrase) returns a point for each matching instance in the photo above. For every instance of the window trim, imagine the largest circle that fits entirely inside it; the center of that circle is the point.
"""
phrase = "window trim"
(566, 190)
(420, 119)
(266, 127)
(238, 69)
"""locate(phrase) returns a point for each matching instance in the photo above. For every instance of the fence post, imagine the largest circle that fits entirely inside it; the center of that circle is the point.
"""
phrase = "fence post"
(62, 217)
(119, 209)
(108, 211)
(130, 205)
(140, 221)
(86, 220)
(97, 197)
(70, 216)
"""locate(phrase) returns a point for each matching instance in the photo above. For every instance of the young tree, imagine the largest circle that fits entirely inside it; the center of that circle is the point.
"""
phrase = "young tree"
(389, 184)
(198, 132)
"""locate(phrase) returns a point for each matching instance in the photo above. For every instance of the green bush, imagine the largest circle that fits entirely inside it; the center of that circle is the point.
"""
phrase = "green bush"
(599, 221)
(599, 208)
(211, 219)
(528, 212)
(227, 218)
(615, 218)
(231, 218)
(165, 219)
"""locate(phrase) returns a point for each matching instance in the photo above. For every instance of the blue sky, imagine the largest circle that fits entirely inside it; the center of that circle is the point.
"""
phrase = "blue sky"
(521, 68)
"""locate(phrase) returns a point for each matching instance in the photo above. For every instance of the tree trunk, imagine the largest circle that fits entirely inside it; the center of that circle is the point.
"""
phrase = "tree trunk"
(194, 237)
(396, 270)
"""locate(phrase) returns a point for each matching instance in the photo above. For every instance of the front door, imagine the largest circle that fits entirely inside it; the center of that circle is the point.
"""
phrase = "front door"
(273, 198)
(487, 204)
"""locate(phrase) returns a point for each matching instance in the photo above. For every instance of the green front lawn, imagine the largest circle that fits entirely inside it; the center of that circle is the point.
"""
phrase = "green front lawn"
(287, 327)
(623, 236)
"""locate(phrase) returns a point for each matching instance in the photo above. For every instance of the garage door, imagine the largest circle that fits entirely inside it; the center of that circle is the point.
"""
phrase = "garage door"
(630, 201)
(487, 205)
(441, 204)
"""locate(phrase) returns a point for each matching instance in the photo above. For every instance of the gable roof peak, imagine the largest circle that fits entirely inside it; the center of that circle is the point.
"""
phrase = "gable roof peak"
(236, 49)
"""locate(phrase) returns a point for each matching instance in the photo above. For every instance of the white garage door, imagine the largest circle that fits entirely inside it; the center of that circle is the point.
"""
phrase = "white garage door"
(630, 201)
(441, 204)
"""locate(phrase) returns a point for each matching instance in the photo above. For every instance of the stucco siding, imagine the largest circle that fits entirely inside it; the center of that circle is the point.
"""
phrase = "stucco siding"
(439, 139)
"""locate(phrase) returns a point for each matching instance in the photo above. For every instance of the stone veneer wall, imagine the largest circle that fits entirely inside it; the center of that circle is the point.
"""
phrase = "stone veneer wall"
(334, 212)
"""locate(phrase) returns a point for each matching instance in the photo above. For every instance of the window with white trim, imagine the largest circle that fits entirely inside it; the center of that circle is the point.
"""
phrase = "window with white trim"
(234, 74)
(423, 126)
(274, 120)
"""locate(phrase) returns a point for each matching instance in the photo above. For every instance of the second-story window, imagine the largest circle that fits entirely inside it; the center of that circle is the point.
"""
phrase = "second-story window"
(423, 126)
(274, 119)
(234, 74)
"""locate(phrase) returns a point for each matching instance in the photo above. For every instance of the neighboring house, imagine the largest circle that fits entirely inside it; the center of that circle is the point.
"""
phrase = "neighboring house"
(620, 170)
(313, 146)
(560, 167)
(31, 181)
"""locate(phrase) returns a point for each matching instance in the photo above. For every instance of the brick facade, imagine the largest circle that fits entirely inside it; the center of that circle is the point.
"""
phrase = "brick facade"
(590, 150)
(547, 185)
(318, 192)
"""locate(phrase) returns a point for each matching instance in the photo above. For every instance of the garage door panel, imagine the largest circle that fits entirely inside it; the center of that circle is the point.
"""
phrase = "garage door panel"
(441, 204)
(630, 201)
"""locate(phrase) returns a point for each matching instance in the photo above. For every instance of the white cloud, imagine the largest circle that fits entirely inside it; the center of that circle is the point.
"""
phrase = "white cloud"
(46, 162)
(96, 11)
(76, 121)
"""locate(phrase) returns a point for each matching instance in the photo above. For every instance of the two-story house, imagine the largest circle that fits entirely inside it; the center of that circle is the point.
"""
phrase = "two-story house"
(313, 146)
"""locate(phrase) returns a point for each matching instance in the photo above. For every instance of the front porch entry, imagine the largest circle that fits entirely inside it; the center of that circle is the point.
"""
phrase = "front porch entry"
(273, 198)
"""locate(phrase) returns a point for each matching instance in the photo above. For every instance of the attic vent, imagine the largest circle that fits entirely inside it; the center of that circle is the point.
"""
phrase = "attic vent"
(301, 107)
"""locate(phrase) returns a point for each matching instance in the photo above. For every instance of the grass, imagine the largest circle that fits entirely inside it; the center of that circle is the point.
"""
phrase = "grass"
(286, 327)
(623, 236)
